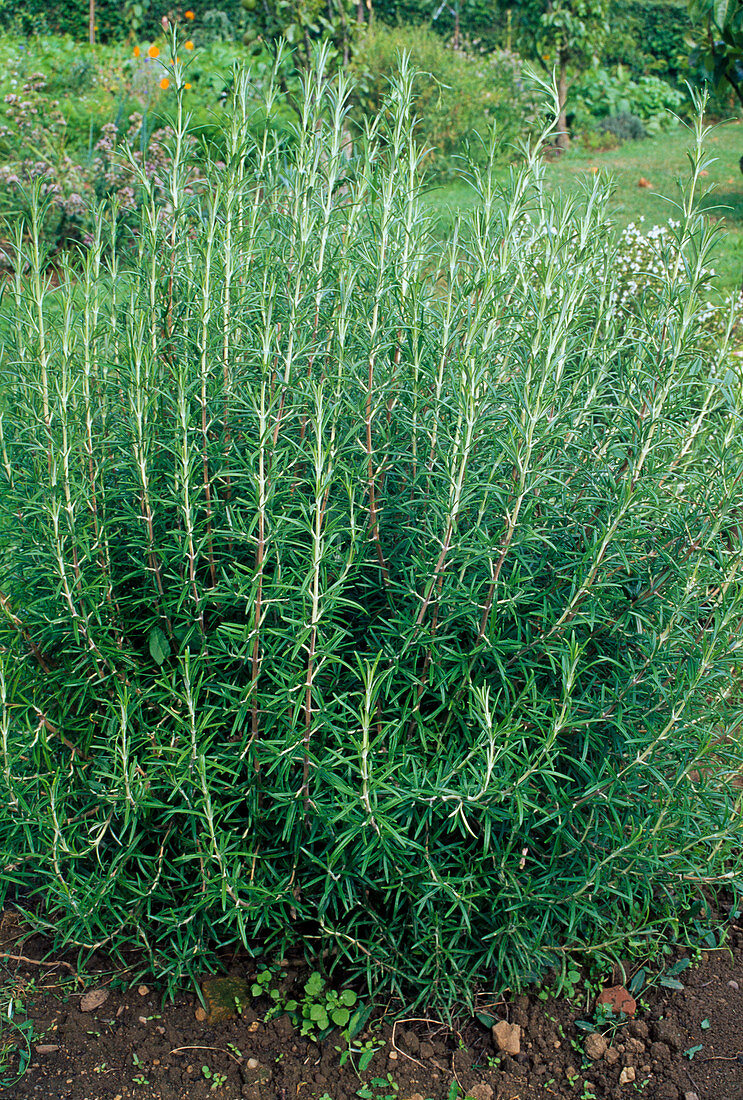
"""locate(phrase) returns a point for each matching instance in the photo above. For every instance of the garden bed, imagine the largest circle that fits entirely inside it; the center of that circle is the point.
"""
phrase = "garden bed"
(681, 1041)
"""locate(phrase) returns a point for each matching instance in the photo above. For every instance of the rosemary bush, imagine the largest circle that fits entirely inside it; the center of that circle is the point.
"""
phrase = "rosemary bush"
(359, 593)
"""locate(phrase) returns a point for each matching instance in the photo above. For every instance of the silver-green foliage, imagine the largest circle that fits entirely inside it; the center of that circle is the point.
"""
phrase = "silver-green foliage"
(358, 590)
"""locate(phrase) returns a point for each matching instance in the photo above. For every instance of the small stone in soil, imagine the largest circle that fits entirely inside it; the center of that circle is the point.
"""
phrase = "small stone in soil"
(627, 1075)
(619, 999)
(46, 1048)
(611, 1057)
(252, 1063)
(222, 996)
(733, 985)
(595, 1045)
(691, 1096)
(200, 1014)
(89, 1002)
(480, 1091)
(507, 1037)
(143, 990)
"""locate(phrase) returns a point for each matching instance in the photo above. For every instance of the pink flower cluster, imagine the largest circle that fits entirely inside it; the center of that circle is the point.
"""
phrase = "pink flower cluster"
(34, 128)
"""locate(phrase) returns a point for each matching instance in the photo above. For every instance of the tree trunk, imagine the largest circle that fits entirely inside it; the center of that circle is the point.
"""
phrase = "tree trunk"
(737, 88)
(563, 138)
(344, 32)
(91, 23)
(359, 11)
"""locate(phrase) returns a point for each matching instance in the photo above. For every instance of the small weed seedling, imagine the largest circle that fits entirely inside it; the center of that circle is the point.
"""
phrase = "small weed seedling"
(604, 1019)
(358, 1052)
(217, 1079)
(363, 1051)
(16, 1037)
(320, 1009)
(379, 1088)
(265, 985)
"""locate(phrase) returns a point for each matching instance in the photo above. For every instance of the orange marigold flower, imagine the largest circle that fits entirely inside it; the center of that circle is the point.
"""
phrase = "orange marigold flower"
(137, 51)
(187, 86)
(189, 15)
(188, 45)
(153, 52)
(165, 83)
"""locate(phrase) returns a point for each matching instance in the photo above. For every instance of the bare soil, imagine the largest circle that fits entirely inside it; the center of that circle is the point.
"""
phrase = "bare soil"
(133, 1046)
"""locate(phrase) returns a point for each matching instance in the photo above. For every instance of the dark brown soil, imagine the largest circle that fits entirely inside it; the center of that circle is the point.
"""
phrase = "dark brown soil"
(133, 1047)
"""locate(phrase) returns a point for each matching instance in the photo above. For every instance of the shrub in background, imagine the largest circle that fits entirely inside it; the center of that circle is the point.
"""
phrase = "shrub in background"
(624, 127)
(362, 593)
(459, 93)
(73, 143)
(650, 36)
(33, 139)
(493, 26)
(601, 93)
(115, 21)
(38, 160)
(610, 132)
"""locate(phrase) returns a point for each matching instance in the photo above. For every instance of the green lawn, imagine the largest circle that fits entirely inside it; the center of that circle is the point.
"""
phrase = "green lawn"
(662, 162)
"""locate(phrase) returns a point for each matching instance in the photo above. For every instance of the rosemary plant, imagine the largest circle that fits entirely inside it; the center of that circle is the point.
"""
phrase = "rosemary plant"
(359, 592)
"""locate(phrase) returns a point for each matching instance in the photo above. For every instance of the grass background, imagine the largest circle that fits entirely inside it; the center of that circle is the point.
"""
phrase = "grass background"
(662, 161)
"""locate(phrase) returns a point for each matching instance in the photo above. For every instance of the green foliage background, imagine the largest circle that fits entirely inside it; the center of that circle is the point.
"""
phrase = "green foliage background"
(644, 36)
(115, 19)
(459, 95)
(652, 37)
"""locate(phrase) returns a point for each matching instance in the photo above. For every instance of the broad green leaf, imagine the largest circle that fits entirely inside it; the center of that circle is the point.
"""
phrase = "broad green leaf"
(159, 645)
(637, 981)
(722, 10)
(358, 1020)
